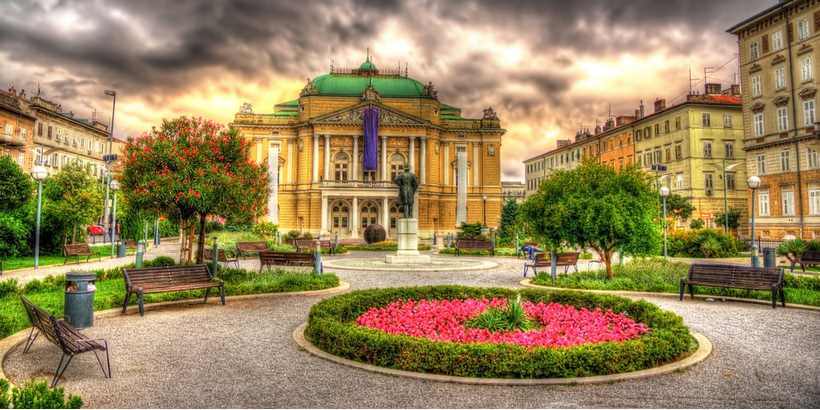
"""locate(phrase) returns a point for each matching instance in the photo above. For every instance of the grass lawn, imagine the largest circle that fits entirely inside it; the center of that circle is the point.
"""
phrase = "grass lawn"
(663, 276)
(49, 293)
(46, 260)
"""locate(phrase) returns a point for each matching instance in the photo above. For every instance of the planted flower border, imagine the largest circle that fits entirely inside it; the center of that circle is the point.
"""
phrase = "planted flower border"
(332, 328)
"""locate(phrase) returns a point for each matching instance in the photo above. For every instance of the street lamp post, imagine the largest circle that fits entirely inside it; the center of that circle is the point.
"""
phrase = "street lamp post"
(39, 174)
(484, 198)
(753, 183)
(108, 161)
(664, 194)
(725, 200)
(115, 186)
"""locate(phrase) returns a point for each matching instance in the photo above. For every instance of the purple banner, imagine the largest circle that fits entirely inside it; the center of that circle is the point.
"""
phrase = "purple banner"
(370, 158)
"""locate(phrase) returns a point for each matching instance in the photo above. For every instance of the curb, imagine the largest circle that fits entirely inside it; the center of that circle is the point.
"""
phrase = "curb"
(704, 350)
(9, 343)
(527, 283)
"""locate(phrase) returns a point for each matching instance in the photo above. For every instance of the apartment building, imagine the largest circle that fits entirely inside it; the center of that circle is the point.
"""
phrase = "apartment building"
(780, 116)
(16, 129)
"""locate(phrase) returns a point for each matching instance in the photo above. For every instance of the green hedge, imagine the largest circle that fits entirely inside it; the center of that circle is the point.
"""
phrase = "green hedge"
(331, 327)
(382, 248)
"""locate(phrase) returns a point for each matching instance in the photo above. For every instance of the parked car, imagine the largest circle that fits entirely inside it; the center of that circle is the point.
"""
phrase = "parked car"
(96, 230)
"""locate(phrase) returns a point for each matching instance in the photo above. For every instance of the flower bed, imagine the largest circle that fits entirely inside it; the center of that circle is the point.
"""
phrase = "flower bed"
(332, 327)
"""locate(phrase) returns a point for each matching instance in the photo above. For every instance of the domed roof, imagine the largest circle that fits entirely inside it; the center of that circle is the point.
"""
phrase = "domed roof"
(354, 85)
(367, 65)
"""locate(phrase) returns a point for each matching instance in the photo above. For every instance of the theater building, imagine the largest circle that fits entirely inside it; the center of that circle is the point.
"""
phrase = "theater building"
(331, 176)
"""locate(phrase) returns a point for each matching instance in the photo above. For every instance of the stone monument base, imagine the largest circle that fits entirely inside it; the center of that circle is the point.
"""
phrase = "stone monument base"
(408, 250)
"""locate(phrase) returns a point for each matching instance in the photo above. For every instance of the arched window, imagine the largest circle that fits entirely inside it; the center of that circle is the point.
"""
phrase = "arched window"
(396, 165)
(340, 166)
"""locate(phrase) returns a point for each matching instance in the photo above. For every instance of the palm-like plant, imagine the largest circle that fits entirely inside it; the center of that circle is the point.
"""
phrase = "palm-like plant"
(792, 249)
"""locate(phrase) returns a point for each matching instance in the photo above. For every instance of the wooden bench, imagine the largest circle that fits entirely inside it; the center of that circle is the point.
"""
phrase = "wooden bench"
(168, 279)
(79, 249)
(274, 258)
(64, 336)
(807, 258)
(474, 245)
(221, 256)
(735, 276)
(544, 259)
(244, 248)
(306, 245)
(130, 244)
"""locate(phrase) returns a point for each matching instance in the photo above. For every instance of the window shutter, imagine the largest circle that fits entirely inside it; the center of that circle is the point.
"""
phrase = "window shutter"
(765, 42)
(791, 32)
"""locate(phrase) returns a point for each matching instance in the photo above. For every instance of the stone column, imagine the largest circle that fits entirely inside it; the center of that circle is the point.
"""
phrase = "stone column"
(355, 170)
(423, 160)
(273, 171)
(327, 157)
(476, 163)
(461, 188)
(315, 159)
(385, 214)
(324, 215)
(384, 158)
(446, 160)
(259, 151)
(354, 216)
(290, 166)
(413, 155)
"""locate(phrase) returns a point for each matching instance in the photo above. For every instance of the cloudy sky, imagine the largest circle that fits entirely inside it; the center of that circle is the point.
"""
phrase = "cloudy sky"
(546, 67)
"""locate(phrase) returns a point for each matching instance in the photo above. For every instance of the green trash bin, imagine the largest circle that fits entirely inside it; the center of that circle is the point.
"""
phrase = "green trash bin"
(79, 299)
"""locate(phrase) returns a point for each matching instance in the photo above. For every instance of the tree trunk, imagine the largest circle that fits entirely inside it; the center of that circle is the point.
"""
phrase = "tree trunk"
(201, 248)
(74, 234)
(182, 238)
(606, 258)
(190, 242)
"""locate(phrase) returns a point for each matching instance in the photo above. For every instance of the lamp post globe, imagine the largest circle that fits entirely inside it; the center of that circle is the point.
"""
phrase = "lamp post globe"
(664, 194)
(39, 173)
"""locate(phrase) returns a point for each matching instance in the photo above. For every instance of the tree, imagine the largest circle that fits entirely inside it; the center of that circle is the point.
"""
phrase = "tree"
(595, 206)
(509, 226)
(678, 207)
(15, 186)
(74, 197)
(193, 167)
(734, 218)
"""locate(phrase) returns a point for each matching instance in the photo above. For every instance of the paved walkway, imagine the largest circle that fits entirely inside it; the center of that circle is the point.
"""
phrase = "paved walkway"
(243, 355)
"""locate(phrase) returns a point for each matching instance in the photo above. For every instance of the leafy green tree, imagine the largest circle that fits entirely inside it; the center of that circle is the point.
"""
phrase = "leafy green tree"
(678, 207)
(75, 198)
(193, 167)
(510, 225)
(595, 206)
(734, 218)
(697, 224)
(15, 186)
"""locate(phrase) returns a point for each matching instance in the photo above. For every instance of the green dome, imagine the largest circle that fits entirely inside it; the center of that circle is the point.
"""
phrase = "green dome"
(367, 65)
(354, 85)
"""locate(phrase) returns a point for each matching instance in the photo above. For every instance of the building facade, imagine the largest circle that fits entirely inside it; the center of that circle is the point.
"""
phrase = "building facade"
(315, 146)
(513, 190)
(16, 129)
(780, 116)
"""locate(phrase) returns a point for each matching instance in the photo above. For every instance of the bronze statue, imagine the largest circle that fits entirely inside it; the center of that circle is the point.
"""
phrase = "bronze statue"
(408, 184)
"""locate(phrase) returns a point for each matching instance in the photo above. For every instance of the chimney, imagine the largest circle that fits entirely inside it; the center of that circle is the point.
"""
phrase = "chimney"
(23, 94)
(735, 89)
(712, 88)
(564, 143)
(641, 109)
(660, 105)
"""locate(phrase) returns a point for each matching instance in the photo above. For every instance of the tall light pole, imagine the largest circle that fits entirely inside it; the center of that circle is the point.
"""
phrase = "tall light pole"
(108, 160)
(753, 183)
(39, 174)
(664, 194)
(114, 186)
(484, 198)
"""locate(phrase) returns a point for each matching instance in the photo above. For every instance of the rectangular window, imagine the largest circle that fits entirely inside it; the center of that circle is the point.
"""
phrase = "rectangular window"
(638, 157)
(708, 180)
(812, 158)
(763, 203)
(21, 159)
(680, 181)
(668, 151)
(364, 222)
(658, 156)
(758, 121)
(729, 149)
(638, 135)
(344, 222)
(761, 164)
(706, 119)
(782, 119)
(802, 29)
(707, 149)
(335, 221)
(393, 222)
(82, 142)
(678, 151)
(730, 181)
(57, 138)
(814, 201)
(785, 160)
(754, 51)
(757, 90)
(788, 202)
(677, 122)
(40, 129)
(38, 156)
(647, 132)
(779, 78)
(805, 69)
(727, 120)
(808, 112)
(666, 126)
(777, 40)
(23, 134)
(647, 159)
(657, 129)
(49, 132)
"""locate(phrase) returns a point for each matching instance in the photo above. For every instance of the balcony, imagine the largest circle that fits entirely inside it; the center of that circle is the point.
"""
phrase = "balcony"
(358, 184)
(12, 139)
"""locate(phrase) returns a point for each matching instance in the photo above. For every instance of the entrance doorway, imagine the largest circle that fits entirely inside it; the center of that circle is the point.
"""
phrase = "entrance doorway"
(369, 215)
(339, 217)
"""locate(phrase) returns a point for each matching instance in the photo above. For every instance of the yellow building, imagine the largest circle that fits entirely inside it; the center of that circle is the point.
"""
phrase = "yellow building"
(314, 147)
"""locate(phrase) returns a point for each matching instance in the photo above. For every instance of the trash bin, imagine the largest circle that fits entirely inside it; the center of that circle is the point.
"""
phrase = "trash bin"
(769, 258)
(79, 299)
(121, 249)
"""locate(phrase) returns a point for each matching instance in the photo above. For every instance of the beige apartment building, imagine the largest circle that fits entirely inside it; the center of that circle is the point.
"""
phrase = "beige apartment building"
(16, 129)
(779, 80)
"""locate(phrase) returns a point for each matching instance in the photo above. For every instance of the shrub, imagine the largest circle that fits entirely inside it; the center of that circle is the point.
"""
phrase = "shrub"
(697, 224)
(706, 243)
(265, 229)
(469, 230)
(331, 328)
(13, 235)
(159, 261)
(293, 234)
(36, 395)
(307, 235)
(585, 255)
(214, 226)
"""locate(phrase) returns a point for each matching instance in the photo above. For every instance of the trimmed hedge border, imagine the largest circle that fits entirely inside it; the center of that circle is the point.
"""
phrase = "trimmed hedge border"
(331, 328)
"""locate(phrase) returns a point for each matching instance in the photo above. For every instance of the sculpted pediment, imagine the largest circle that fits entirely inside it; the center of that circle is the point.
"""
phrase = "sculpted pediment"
(355, 115)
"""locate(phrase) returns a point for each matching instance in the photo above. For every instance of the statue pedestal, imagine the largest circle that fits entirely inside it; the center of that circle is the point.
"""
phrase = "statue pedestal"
(408, 251)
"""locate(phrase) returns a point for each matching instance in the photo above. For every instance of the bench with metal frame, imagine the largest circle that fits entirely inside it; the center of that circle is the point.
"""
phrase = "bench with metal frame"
(64, 336)
(163, 279)
(79, 249)
(807, 258)
(221, 256)
(275, 258)
(737, 277)
(308, 245)
(245, 248)
(463, 244)
(543, 259)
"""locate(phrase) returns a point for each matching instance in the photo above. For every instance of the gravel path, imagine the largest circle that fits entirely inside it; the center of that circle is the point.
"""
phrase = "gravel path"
(243, 355)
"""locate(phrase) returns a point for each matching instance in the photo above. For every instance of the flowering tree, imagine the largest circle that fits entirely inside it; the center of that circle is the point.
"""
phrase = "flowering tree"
(194, 167)
(595, 206)
(73, 196)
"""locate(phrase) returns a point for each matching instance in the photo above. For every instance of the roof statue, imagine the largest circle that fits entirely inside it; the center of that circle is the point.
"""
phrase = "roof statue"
(246, 108)
(310, 88)
(489, 114)
(429, 91)
(371, 94)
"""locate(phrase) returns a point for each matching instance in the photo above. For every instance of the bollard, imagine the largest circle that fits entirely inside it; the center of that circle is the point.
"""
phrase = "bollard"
(140, 252)
(318, 259)
(336, 244)
(156, 232)
(621, 256)
(755, 257)
(516, 246)
(554, 259)
(216, 253)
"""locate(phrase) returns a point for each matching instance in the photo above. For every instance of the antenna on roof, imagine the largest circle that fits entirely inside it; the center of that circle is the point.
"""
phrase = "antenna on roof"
(331, 66)
(405, 68)
(368, 54)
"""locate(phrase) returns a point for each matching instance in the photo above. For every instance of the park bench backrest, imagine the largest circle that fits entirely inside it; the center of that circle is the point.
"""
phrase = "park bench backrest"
(810, 255)
(569, 258)
(271, 257)
(166, 276)
(76, 249)
(736, 276)
(42, 321)
(251, 246)
(208, 255)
